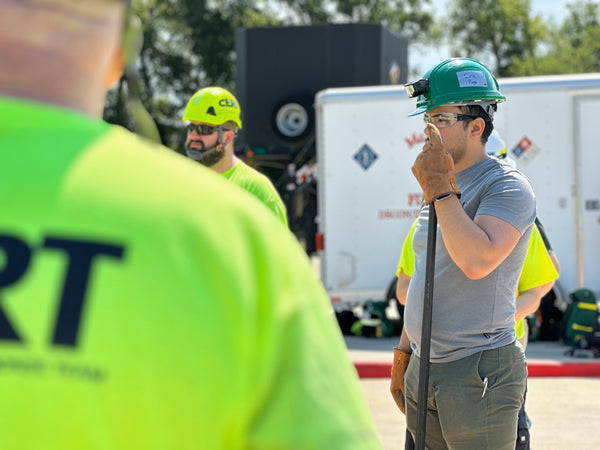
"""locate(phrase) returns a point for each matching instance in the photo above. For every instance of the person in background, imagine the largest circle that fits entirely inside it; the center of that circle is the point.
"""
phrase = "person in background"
(496, 147)
(535, 267)
(144, 301)
(214, 120)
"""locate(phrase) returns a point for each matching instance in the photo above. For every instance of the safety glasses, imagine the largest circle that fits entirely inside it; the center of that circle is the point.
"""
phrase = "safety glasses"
(204, 130)
(444, 120)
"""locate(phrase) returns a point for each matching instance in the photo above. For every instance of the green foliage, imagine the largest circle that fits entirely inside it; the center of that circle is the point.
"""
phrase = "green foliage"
(506, 36)
(574, 47)
(497, 32)
(189, 44)
(405, 16)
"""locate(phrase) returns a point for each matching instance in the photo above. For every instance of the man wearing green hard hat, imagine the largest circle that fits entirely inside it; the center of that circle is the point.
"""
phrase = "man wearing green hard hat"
(485, 212)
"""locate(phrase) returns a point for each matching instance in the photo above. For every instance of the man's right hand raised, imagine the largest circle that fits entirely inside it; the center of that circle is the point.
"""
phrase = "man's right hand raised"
(434, 167)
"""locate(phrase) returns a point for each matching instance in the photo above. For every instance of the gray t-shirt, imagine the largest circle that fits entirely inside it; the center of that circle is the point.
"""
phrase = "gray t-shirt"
(470, 316)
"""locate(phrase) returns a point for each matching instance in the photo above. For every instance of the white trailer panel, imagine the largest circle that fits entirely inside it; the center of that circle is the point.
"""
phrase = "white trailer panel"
(368, 197)
(548, 124)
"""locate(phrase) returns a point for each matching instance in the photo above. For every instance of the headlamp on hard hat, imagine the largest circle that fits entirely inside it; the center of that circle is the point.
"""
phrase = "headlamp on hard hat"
(417, 88)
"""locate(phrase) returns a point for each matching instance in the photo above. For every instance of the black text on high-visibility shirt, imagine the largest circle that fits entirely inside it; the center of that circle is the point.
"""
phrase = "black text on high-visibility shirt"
(81, 256)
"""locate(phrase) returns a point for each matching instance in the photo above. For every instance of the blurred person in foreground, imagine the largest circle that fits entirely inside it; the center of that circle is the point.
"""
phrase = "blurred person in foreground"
(137, 308)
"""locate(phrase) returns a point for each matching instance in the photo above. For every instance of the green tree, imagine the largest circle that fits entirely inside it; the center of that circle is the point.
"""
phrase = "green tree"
(573, 47)
(408, 17)
(189, 44)
(497, 32)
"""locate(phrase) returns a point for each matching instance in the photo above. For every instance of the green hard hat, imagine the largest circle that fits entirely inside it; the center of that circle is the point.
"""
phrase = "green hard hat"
(458, 81)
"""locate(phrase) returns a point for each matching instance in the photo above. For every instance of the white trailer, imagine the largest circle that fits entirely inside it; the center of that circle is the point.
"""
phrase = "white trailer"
(368, 197)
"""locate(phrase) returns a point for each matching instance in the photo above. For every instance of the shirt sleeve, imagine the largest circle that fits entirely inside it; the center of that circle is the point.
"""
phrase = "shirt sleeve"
(510, 198)
(407, 257)
(537, 267)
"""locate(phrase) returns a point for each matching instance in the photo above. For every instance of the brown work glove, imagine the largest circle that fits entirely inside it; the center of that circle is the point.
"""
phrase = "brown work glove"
(434, 168)
(401, 360)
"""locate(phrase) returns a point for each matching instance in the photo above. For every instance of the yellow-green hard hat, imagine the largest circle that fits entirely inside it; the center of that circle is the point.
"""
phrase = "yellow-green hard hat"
(214, 106)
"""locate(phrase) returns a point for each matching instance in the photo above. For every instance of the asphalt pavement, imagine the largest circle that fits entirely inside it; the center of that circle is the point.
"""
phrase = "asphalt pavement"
(563, 398)
(565, 413)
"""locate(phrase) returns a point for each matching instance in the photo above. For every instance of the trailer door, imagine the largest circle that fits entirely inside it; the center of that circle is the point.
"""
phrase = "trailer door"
(587, 163)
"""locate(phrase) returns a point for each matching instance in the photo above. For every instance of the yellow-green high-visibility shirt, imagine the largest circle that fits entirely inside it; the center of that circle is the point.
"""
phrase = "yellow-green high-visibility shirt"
(258, 185)
(141, 310)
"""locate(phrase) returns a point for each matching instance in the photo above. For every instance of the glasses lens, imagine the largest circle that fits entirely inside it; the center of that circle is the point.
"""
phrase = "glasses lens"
(442, 120)
(202, 129)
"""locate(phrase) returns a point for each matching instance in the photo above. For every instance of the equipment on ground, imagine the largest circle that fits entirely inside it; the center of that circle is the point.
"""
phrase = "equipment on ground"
(373, 321)
(581, 316)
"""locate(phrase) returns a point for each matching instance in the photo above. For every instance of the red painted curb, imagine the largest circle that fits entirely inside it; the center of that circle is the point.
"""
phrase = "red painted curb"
(539, 368)
(548, 368)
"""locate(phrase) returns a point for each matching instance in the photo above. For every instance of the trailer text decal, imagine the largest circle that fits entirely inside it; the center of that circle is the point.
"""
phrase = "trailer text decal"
(387, 214)
(415, 139)
(414, 200)
(365, 156)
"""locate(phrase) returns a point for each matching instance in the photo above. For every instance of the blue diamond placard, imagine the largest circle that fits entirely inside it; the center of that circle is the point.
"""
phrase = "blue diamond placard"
(365, 156)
